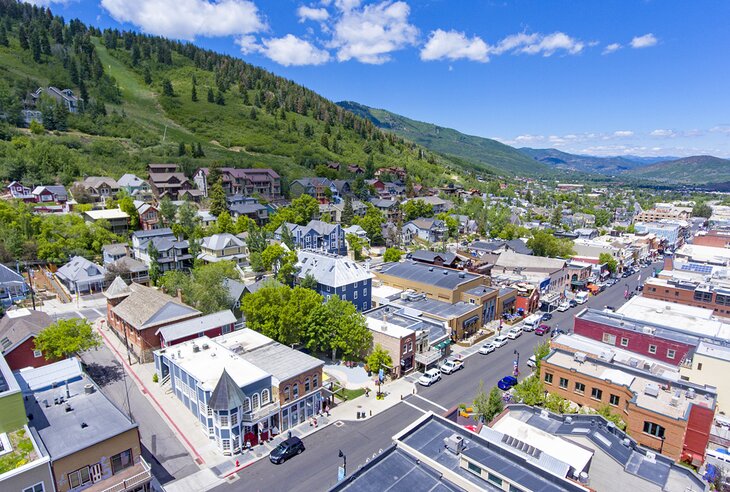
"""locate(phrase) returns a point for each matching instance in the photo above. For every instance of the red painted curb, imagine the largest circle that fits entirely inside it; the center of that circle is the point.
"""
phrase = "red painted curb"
(146, 391)
(239, 468)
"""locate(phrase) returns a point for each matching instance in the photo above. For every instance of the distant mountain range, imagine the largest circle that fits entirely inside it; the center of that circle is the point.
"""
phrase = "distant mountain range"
(698, 169)
(481, 152)
(585, 163)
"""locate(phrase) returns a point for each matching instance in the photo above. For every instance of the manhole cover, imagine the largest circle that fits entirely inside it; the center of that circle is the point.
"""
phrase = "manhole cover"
(339, 423)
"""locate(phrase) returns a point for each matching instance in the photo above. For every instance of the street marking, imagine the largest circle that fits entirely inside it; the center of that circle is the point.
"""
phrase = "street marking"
(429, 401)
(339, 423)
(414, 406)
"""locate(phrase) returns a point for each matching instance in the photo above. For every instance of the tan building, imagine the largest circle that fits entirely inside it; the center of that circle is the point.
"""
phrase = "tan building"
(663, 211)
(439, 283)
(710, 365)
(91, 443)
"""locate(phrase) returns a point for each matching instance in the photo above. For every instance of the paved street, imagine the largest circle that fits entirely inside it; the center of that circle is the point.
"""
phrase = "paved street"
(316, 468)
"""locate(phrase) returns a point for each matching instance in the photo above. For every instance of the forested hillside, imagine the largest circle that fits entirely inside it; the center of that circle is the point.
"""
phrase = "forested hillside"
(148, 99)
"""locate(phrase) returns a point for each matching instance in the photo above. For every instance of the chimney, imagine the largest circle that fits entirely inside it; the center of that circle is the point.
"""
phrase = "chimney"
(668, 262)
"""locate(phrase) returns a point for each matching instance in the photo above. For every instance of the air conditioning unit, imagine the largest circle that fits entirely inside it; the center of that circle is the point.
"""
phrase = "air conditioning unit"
(650, 457)
(454, 443)
(690, 394)
(579, 357)
(651, 389)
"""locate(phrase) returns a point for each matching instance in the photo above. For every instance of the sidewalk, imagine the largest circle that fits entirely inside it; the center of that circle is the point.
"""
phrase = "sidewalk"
(466, 352)
(216, 468)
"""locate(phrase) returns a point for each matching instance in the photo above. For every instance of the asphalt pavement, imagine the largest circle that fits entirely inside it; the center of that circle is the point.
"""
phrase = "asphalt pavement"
(316, 468)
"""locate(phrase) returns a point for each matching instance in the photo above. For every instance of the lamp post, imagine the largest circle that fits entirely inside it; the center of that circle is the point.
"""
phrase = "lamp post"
(344, 464)
(517, 363)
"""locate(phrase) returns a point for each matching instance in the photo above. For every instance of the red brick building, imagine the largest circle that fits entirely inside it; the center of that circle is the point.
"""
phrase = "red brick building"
(713, 238)
(18, 329)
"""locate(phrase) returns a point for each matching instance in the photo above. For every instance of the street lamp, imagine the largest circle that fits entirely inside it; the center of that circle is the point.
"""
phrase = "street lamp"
(344, 463)
(517, 363)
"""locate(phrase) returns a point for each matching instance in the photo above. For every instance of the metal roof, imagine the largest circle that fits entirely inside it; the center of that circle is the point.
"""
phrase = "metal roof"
(193, 326)
(332, 270)
(440, 277)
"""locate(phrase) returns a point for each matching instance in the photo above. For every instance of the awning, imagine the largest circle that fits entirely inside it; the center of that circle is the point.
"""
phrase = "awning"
(578, 283)
(470, 321)
(443, 345)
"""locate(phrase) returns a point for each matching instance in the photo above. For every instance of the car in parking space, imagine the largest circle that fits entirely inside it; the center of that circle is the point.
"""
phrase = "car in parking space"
(563, 306)
(286, 450)
(532, 362)
(542, 329)
(429, 377)
(573, 303)
(507, 382)
(487, 348)
(451, 366)
(514, 333)
(547, 316)
(500, 341)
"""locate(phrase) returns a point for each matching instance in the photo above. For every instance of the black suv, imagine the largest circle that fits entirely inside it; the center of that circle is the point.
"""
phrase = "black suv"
(286, 450)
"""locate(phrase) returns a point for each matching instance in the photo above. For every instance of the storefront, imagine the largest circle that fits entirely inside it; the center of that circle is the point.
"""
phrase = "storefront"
(301, 411)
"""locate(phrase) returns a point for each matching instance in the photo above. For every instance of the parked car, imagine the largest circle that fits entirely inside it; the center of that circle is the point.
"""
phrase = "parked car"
(547, 316)
(514, 333)
(542, 329)
(487, 348)
(429, 377)
(563, 306)
(286, 450)
(451, 366)
(500, 341)
(573, 303)
(532, 362)
(558, 331)
(507, 383)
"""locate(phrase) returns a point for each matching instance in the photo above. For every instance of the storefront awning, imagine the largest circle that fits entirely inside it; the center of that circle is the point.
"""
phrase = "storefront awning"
(578, 283)
(471, 321)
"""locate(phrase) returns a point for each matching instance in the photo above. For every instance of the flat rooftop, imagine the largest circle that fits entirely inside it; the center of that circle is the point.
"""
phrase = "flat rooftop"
(8, 384)
(80, 418)
(439, 277)
(402, 318)
(280, 361)
(673, 402)
(625, 323)
(206, 364)
(439, 309)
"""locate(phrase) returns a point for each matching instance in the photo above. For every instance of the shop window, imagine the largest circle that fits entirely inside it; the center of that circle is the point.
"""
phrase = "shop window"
(653, 429)
(79, 477)
(121, 461)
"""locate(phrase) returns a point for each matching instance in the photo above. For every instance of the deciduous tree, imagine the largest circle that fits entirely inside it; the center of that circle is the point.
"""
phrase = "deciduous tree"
(66, 337)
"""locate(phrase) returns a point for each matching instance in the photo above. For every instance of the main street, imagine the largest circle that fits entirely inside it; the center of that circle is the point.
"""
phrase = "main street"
(316, 468)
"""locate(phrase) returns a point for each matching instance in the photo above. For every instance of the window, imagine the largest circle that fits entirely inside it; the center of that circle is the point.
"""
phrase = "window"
(596, 393)
(494, 479)
(364, 306)
(364, 292)
(722, 299)
(226, 444)
(563, 383)
(699, 366)
(79, 477)
(121, 461)
(265, 397)
(295, 391)
(652, 349)
(614, 400)
(624, 342)
(653, 429)
(473, 468)
(234, 419)
(286, 393)
(37, 354)
(223, 420)
(548, 378)
(306, 385)
(608, 338)
(702, 296)
(35, 488)
(315, 381)
(580, 388)
(671, 354)
(255, 401)
(355, 295)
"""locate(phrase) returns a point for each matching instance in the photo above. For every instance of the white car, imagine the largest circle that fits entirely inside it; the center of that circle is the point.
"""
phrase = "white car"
(487, 348)
(563, 306)
(532, 362)
(500, 341)
(451, 366)
(514, 333)
(429, 377)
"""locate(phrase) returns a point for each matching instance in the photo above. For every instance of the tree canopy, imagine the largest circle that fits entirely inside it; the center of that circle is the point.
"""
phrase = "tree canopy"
(66, 337)
(544, 243)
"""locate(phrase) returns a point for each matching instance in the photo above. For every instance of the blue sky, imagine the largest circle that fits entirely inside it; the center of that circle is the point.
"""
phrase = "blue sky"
(594, 77)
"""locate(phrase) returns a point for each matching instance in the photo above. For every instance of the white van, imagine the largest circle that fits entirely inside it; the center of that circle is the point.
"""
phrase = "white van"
(719, 454)
(532, 322)
(581, 297)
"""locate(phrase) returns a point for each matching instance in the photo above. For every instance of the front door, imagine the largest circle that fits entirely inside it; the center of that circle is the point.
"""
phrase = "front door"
(95, 472)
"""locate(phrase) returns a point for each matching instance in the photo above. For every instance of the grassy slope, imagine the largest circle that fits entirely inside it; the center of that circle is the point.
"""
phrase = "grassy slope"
(486, 152)
(701, 169)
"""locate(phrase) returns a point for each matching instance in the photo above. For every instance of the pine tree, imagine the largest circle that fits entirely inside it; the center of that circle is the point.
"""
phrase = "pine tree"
(194, 94)
(181, 149)
(219, 100)
(23, 37)
(211, 96)
(199, 151)
(167, 89)
(347, 213)
(253, 114)
(35, 46)
(135, 55)
(147, 76)
(3, 37)
(218, 203)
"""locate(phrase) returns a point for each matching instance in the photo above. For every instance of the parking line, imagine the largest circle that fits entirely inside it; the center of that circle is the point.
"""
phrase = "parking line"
(414, 406)
(429, 401)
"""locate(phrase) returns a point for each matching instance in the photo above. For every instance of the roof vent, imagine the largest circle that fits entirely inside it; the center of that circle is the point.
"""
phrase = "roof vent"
(206, 346)
(88, 388)
(196, 348)
(445, 272)
(84, 425)
(579, 357)
(690, 394)
(626, 442)
(650, 457)
(68, 407)
(430, 269)
(569, 420)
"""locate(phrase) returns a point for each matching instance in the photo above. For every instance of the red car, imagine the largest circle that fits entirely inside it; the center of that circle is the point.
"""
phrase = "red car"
(542, 329)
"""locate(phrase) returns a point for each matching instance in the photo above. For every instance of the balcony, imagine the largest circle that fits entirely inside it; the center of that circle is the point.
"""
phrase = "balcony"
(128, 479)
(267, 410)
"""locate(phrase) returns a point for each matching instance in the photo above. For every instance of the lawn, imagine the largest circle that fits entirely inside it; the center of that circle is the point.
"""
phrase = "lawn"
(350, 394)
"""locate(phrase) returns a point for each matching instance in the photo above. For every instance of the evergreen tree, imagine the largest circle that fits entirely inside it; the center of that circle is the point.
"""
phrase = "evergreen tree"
(3, 37)
(154, 270)
(211, 96)
(252, 114)
(219, 100)
(45, 45)
(135, 55)
(167, 89)
(199, 151)
(147, 76)
(369, 168)
(194, 94)
(181, 149)
(23, 37)
(324, 141)
(35, 46)
(218, 203)
(83, 93)
(347, 213)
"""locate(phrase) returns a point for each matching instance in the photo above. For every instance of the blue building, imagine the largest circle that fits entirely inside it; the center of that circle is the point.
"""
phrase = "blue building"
(12, 286)
(339, 275)
(316, 235)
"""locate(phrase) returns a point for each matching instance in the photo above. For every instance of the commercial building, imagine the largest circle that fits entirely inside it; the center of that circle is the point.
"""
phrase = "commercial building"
(91, 443)
(24, 462)
(439, 283)
(710, 365)
(18, 329)
(549, 275)
(209, 325)
(242, 387)
(663, 211)
(671, 416)
(671, 232)
(337, 275)
(707, 255)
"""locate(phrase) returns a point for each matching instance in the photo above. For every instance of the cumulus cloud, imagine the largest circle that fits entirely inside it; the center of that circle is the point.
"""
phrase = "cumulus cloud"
(312, 13)
(537, 43)
(187, 19)
(453, 45)
(645, 41)
(291, 50)
(663, 133)
(623, 133)
(611, 48)
(371, 33)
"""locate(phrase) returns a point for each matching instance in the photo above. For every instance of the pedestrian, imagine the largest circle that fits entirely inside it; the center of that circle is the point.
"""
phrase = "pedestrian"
(327, 410)
(288, 435)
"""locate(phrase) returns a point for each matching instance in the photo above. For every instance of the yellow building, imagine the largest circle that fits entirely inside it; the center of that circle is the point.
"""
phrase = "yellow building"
(710, 366)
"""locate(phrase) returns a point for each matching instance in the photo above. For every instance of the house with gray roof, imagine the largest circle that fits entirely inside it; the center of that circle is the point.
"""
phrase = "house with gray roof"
(130, 270)
(317, 235)
(13, 287)
(50, 194)
(435, 258)
(18, 329)
(320, 188)
(223, 247)
(337, 275)
(426, 229)
(134, 185)
(172, 254)
(99, 188)
(210, 325)
(82, 276)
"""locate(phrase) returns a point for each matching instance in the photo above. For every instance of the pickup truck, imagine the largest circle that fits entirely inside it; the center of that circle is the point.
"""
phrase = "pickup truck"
(451, 366)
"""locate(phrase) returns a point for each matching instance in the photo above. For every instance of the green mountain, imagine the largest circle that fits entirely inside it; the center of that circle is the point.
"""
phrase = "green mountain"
(484, 153)
(584, 163)
(699, 169)
(149, 99)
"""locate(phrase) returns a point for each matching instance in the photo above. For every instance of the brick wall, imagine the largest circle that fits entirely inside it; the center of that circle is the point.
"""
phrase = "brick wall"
(22, 356)
(299, 380)
(685, 297)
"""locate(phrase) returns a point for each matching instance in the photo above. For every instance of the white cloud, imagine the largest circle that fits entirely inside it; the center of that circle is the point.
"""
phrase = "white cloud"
(663, 133)
(248, 44)
(537, 43)
(454, 45)
(291, 50)
(645, 41)
(369, 34)
(187, 19)
(725, 129)
(48, 3)
(612, 48)
(623, 133)
(312, 13)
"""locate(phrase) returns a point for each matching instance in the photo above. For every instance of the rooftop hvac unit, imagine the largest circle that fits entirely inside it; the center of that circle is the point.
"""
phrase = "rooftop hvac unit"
(690, 393)
(674, 401)
(650, 457)
(196, 349)
(205, 346)
(626, 442)
(454, 443)
(579, 357)
(651, 389)
(569, 420)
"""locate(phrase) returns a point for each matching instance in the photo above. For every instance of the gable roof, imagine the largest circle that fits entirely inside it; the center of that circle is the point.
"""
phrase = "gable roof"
(79, 269)
(427, 223)
(8, 276)
(130, 180)
(19, 324)
(118, 288)
(331, 270)
(431, 256)
(218, 242)
(193, 326)
(226, 394)
(146, 307)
